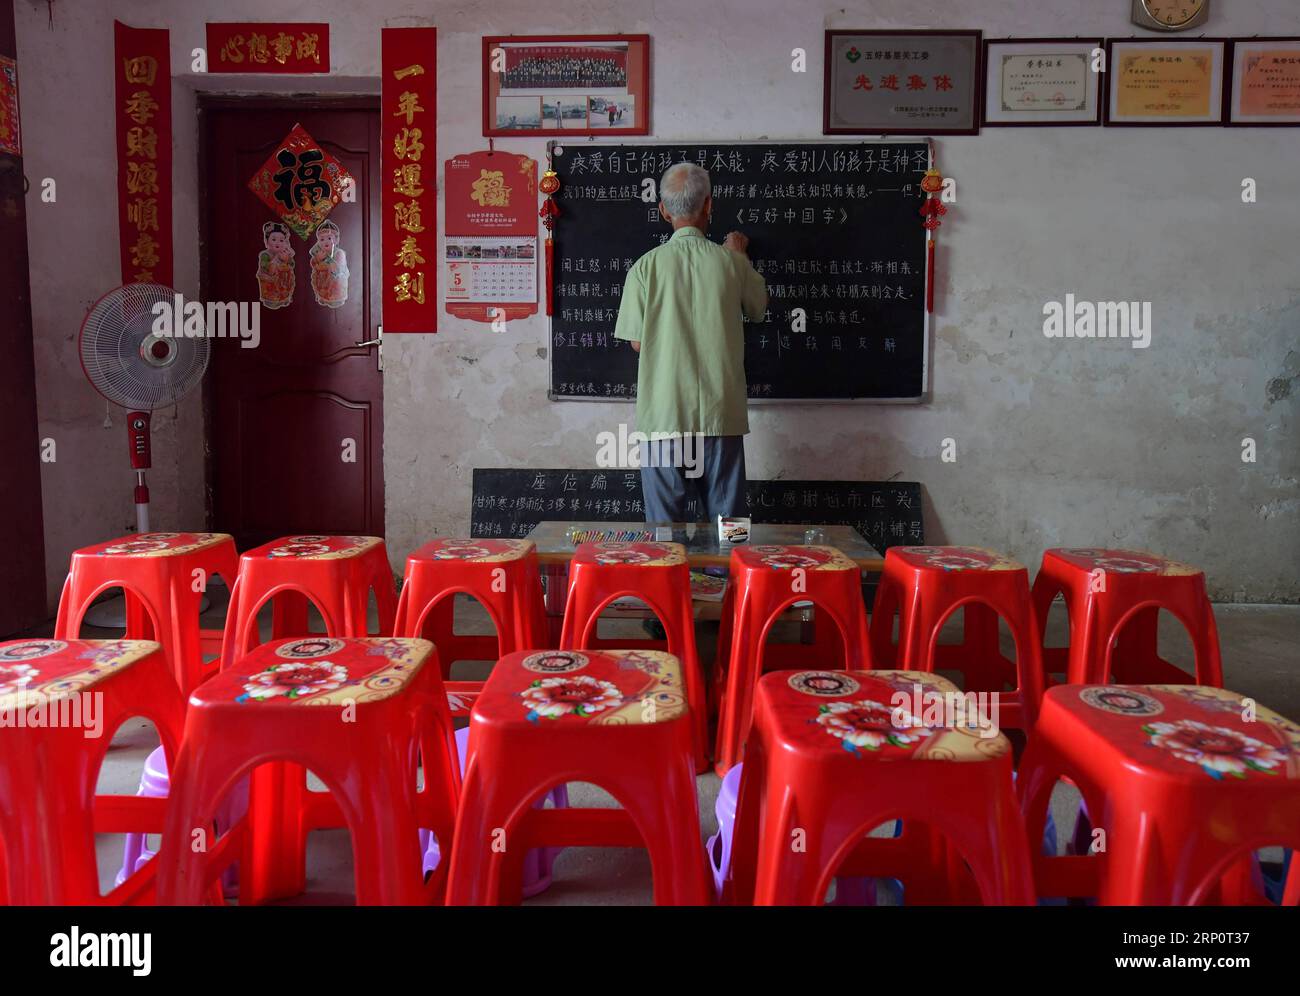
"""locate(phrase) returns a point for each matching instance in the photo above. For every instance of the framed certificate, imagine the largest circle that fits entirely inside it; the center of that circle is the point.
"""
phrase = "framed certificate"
(1042, 81)
(1265, 87)
(1154, 81)
(579, 84)
(901, 83)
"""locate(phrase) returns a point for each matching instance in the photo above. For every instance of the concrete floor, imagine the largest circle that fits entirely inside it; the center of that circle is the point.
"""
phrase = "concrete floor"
(1259, 653)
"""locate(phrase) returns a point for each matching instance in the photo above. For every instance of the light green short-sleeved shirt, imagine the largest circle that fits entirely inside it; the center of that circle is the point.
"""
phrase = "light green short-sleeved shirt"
(683, 302)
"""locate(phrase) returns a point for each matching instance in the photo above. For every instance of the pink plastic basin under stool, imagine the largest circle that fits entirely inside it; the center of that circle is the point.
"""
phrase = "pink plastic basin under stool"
(848, 891)
(155, 784)
(537, 863)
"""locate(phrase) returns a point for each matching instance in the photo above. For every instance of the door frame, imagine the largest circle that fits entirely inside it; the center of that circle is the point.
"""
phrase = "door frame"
(205, 101)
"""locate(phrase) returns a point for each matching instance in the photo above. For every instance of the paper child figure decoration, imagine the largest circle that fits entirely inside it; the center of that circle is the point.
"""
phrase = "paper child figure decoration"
(275, 278)
(329, 267)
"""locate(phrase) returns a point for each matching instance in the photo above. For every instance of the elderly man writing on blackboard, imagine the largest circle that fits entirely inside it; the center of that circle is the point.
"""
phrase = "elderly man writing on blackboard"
(681, 310)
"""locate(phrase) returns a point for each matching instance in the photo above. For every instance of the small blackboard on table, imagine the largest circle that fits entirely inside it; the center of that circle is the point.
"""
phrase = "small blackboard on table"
(509, 502)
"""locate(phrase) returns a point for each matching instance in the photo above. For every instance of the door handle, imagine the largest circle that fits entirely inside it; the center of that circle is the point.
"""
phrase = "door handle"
(378, 340)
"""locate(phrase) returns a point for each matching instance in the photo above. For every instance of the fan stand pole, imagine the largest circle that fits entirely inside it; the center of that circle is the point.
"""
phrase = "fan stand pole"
(141, 503)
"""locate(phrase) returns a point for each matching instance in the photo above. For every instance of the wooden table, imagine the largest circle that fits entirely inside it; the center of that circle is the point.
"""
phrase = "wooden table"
(703, 549)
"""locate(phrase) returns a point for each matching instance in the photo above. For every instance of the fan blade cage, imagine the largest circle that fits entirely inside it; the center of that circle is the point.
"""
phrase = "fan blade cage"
(130, 364)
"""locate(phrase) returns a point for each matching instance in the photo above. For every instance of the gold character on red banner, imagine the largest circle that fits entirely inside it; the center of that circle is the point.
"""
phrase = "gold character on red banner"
(275, 276)
(329, 267)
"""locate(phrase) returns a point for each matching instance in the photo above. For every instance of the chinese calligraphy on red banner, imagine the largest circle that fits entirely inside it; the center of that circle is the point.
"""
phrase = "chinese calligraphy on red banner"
(268, 48)
(409, 108)
(490, 243)
(143, 77)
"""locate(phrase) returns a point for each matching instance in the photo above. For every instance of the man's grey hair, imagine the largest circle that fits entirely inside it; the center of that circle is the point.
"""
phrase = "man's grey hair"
(683, 190)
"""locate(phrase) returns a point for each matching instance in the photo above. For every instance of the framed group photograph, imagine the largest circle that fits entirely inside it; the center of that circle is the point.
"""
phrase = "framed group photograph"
(1042, 81)
(1152, 81)
(575, 84)
(902, 83)
(1265, 88)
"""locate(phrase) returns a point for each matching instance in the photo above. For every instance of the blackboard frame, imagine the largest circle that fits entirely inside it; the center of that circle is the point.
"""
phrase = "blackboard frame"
(922, 233)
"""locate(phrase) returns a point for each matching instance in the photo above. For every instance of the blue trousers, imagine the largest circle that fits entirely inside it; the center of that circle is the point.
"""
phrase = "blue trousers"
(709, 468)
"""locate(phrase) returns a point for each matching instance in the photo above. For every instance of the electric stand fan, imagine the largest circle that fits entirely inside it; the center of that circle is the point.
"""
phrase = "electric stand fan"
(141, 369)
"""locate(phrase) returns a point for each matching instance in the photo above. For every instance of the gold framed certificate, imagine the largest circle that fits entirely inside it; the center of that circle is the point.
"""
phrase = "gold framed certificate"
(1265, 88)
(1159, 82)
(901, 83)
(1043, 81)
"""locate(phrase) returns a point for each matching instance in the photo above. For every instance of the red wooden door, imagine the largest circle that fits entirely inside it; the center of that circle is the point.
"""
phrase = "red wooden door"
(22, 565)
(295, 424)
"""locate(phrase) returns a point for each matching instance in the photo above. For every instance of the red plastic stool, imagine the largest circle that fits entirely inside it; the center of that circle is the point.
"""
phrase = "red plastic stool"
(657, 574)
(618, 719)
(1182, 785)
(337, 574)
(361, 713)
(163, 576)
(834, 754)
(927, 584)
(502, 575)
(80, 691)
(1113, 598)
(766, 580)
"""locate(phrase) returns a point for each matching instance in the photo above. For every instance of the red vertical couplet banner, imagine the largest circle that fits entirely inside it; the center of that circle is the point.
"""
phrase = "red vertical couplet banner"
(143, 94)
(409, 199)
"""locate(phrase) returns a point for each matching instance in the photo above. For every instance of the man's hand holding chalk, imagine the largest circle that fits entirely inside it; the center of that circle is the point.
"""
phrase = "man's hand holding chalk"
(736, 242)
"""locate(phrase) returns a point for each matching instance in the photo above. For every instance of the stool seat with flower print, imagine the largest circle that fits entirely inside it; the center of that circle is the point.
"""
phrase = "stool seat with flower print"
(924, 585)
(162, 576)
(766, 580)
(336, 574)
(360, 713)
(832, 755)
(62, 701)
(1182, 784)
(658, 575)
(618, 719)
(502, 575)
(1113, 599)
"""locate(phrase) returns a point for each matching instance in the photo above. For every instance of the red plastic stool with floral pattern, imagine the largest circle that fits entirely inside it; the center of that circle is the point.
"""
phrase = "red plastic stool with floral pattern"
(927, 584)
(1181, 783)
(834, 754)
(766, 580)
(337, 574)
(63, 700)
(657, 574)
(502, 575)
(618, 719)
(361, 714)
(163, 576)
(1113, 598)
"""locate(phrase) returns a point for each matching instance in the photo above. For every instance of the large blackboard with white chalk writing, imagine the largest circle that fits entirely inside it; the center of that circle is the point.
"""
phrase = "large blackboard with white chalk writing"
(834, 228)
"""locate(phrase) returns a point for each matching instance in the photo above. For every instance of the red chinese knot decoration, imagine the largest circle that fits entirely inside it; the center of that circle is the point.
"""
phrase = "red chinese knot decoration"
(932, 210)
(550, 185)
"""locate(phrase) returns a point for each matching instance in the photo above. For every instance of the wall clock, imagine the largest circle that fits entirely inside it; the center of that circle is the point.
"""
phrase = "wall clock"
(1170, 15)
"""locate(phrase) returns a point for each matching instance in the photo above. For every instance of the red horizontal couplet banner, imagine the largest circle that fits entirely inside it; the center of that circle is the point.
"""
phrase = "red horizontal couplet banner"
(409, 114)
(265, 47)
(143, 77)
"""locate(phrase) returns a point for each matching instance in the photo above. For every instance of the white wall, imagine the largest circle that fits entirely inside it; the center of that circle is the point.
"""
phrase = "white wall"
(1059, 442)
